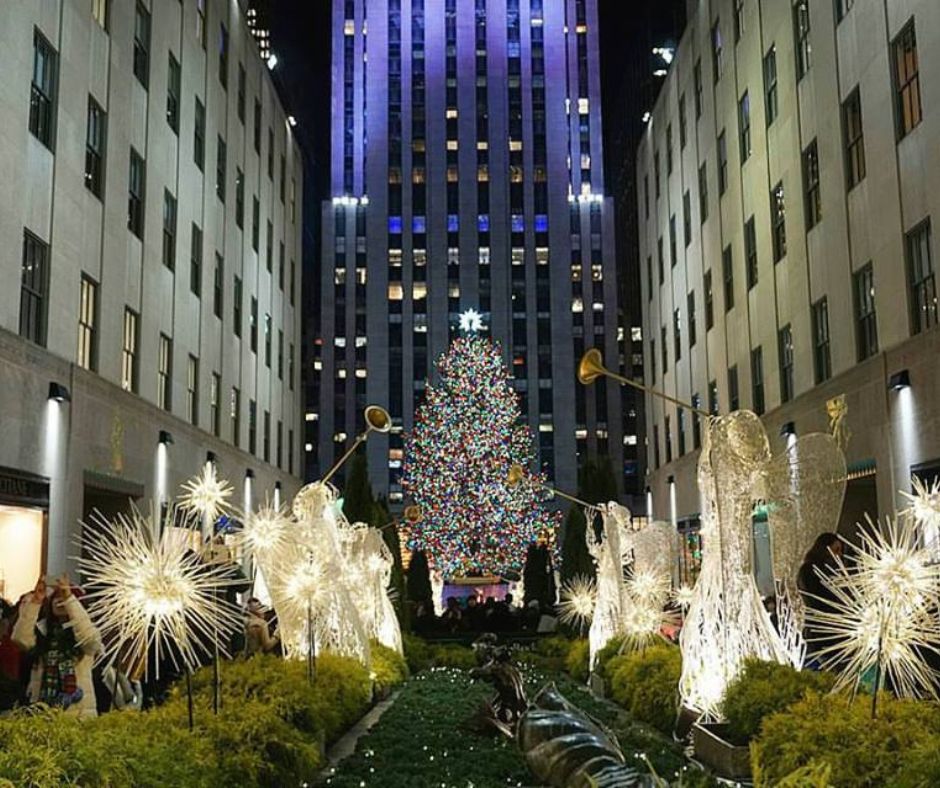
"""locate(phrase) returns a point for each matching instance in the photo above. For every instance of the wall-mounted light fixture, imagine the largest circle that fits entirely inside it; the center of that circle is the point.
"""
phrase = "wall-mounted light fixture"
(249, 474)
(210, 456)
(165, 438)
(59, 393)
(900, 380)
(788, 429)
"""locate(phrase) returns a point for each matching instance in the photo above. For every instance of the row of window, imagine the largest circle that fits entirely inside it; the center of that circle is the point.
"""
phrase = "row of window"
(33, 325)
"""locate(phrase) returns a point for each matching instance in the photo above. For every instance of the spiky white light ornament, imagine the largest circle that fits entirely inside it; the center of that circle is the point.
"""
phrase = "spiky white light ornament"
(883, 611)
(925, 509)
(682, 596)
(264, 531)
(578, 597)
(153, 591)
(206, 493)
(647, 612)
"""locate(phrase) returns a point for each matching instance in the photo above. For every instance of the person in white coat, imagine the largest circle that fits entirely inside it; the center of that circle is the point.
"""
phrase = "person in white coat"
(62, 642)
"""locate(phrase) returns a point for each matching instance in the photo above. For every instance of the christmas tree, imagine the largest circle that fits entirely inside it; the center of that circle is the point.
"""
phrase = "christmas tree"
(467, 435)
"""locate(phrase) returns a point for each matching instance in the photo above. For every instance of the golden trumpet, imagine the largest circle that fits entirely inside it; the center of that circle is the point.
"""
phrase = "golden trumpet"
(591, 367)
(517, 474)
(377, 420)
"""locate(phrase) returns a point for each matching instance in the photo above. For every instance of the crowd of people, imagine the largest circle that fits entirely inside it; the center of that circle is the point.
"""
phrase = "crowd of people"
(50, 649)
(472, 613)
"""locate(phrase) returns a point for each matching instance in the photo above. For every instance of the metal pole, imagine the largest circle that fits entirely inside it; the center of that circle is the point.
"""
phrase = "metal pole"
(656, 393)
(339, 463)
(189, 695)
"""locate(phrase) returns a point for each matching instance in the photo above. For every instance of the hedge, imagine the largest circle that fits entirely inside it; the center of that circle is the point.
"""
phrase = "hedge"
(646, 684)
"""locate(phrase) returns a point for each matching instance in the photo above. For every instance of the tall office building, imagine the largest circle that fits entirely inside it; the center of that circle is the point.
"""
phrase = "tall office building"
(151, 224)
(786, 208)
(467, 178)
(258, 18)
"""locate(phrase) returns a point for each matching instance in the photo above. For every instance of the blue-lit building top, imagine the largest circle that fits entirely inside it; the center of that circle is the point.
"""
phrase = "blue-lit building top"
(467, 174)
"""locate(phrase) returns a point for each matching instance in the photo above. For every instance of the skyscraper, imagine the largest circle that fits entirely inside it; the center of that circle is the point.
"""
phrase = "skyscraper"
(467, 178)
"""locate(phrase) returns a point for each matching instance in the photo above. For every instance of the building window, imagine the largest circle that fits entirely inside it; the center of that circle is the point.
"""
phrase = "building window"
(722, 163)
(195, 262)
(673, 250)
(822, 363)
(87, 357)
(677, 332)
(866, 324)
(239, 198)
(267, 340)
(129, 343)
(734, 396)
(696, 422)
(713, 402)
(237, 307)
(218, 286)
(241, 92)
(215, 410)
(906, 80)
(269, 248)
(280, 354)
(757, 380)
(253, 324)
(683, 129)
(280, 442)
(255, 223)
(656, 446)
(778, 222)
(717, 51)
(192, 390)
(687, 218)
(266, 437)
(95, 141)
(652, 359)
(256, 133)
(801, 35)
(703, 192)
(842, 8)
(173, 95)
(771, 107)
(738, 20)
(99, 12)
(252, 426)
(697, 81)
(201, 22)
(923, 285)
(744, 124)
(667, 434)
(34, 288)
(750, 252)
(223, 56)
(135, 198)
(199, 136)
(142, 44)
(811, 194)
(785, 342)
(169, 230)
(235, 411)
(42, 100)
(165, 373)
(690, 302)
(664, 347)
(220, 164)
(727, 274)
(709, 301)
(853, 138)
(669, 149)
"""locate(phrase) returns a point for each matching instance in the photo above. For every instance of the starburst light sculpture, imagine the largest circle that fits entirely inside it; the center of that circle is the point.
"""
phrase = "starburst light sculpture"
(578, 597)
(925, 509)
(883, 611)
(152, 591)
(608, 553)
(207, 493)
(264, 532)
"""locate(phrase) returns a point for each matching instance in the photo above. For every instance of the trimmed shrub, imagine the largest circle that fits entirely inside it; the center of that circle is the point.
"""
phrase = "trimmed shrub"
(897, 748)
(576, 663)
(646, 684)
(763, 688)
(388, 666)
(610, 650)
(422, 655)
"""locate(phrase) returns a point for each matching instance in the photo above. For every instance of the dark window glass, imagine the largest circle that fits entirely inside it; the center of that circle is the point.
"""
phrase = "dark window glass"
(923, 286)
(906, 80)
(722, 163)
(703, 192)
(757, 380)
(785, 342)
(173, 94)
(42, 99)
(866, 324)
(771, 105)
(734, 396)
(822, 364)
(199, 136)
(96, 134)
(853, 135)
(135, 198)
(218, 286)
(750, 252)
(744, 126)
(801, 36)
(195, 261)
(34, 289)
(169, 230)
(142, 44)
(778, 222)
(709, 301)
(811, 196)
(727, 274)
(220, 165)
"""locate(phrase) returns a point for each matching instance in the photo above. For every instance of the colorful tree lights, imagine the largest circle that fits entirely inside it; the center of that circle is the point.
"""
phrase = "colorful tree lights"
(467, 435)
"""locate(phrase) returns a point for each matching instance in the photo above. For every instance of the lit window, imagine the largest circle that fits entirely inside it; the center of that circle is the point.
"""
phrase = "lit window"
(598, 307)
(360, 276)
(339, 437)
(453, 291)
(394, 291)
(597, 273)
(361, 374)
(453, 256)
(518, 256)
(483, 172)
(541, 255)
(308, 447)
(580, 434)
(483, 145)
(310, 417)
(577, 305)
(515, 145)
(349, 28)
(629, 440)
(419, 291)
(576, 273)
(636, 334)
(584, 106)
(341, 374)
(420, 257)
(451, 112)
(484, 256)
(546, 428)
(452, 145)
(339, 276)
(394, 258)
(339, 341)
(318, 365)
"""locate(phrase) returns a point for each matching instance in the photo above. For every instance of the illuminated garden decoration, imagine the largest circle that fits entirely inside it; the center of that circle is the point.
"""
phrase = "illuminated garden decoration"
(467, 433)
(609, 554)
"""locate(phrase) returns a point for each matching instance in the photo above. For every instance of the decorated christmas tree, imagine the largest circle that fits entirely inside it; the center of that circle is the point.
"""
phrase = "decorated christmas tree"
(467, 435)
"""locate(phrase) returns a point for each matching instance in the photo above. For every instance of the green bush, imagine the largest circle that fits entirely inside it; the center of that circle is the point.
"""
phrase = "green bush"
(422, 655)
(555, 646)
(576, 663)
(610, 650)
(388, 667)
(898, 748)
(646, 684)
(763, 688)
(268, 732)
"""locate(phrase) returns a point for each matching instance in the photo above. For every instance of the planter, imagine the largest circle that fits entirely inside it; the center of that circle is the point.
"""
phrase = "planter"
(684, 722)
(597, 685)
(727, 760)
